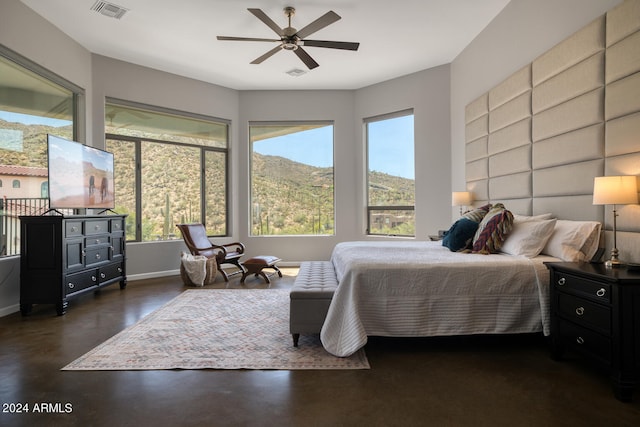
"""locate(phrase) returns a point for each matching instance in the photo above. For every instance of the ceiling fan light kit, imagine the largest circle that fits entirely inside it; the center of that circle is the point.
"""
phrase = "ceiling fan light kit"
(292, 39)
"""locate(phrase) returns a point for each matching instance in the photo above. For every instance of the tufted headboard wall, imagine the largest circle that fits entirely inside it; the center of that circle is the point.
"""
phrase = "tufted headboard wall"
(537, 140)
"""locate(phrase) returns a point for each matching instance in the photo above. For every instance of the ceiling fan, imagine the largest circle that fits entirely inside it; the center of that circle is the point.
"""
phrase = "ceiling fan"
(292, 39)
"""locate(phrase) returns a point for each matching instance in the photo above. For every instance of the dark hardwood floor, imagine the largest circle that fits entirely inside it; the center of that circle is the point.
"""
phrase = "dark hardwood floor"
(451, 381)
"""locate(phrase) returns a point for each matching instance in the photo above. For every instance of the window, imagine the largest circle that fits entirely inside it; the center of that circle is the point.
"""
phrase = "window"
(170, 167)
(390, 174)
(292, 178)
(33, 103)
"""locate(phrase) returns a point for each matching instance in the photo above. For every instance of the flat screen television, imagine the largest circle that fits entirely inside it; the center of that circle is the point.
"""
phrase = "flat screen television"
(80, 177)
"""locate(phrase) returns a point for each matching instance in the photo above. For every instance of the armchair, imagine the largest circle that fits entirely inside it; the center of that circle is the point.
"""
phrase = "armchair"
(195, 237)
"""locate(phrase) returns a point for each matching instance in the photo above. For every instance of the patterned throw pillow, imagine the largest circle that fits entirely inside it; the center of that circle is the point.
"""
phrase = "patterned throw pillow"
(492, 231)
(477, 214)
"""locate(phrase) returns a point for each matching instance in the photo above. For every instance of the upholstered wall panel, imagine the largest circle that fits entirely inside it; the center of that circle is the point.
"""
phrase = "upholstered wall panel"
(569, 179)
(510, 162)
(513, 111)
(623, 135)
(578, 47)
(477, 149)
(577, 113)
(577, 208)
(477, 128)
(575, 81)
(622, 21)
(480, 190)
(477, 108)
(578, 146)
(477, 170)
(623, 58)
(623, 97)
(516, 186)
(510, 137)
(515, 85)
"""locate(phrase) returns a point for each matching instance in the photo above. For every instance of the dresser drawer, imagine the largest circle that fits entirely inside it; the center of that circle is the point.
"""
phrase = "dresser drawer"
(96, 226)
(96, 255)
(593, 290)
(73, 228)
(585, 340)
(585, 313)
(110, 272)
(97, 240)
(117, 225)
(79, 281)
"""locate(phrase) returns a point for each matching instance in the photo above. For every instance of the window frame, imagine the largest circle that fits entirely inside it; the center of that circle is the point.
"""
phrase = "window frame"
(77, 116)
(203, 149)
(373, 208)
(292, 123)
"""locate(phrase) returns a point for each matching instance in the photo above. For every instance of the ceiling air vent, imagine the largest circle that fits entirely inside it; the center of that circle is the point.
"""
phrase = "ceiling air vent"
(109, 9)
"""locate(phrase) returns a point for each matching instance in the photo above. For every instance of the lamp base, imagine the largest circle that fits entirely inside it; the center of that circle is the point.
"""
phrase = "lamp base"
(614, 262)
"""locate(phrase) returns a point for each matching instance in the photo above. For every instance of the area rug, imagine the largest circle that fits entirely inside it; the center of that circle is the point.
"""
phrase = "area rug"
(215, 329)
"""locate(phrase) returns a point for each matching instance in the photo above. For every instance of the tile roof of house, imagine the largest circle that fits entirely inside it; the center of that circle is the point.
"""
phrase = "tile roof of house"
(23, 171)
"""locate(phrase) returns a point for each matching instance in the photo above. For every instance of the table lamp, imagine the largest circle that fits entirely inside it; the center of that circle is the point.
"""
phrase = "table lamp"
(615, 190)
(462, 199)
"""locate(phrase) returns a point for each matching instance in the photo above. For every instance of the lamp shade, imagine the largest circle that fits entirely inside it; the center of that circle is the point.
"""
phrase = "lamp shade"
(461, 198)
(615, 190)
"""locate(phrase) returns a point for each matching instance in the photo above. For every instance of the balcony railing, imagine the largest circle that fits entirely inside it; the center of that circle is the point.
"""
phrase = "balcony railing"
(11, 209)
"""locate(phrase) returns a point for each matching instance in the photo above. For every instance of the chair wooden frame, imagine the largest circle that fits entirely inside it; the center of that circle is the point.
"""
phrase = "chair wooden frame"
(196, 239)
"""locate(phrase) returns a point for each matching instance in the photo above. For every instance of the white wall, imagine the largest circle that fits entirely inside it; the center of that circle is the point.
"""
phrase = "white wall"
(523, 30)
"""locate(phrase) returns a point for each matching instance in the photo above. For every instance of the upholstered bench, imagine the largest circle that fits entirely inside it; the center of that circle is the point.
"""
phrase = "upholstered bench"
(311, 295)
(256, 264)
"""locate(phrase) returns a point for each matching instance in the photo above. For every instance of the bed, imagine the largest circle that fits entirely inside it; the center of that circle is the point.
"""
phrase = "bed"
(417, 289)
(487, 276)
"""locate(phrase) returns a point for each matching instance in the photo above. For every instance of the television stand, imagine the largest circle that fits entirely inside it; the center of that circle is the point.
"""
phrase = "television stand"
(62, 257)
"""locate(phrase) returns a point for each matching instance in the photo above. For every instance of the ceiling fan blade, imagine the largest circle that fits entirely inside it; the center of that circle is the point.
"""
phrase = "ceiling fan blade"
(326, 19)
(268, 21)
(306, 58)
(332, 44)
(246, 39)
(267, 55)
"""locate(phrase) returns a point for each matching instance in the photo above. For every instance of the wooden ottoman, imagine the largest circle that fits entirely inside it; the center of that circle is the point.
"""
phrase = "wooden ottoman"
(256, 264)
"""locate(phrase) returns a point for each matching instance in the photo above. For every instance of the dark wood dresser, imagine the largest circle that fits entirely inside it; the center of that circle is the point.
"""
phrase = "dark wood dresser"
(65, 256)
(595, 312)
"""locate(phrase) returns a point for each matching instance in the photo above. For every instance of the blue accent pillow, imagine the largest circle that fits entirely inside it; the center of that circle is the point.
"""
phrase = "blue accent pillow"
(460, 235)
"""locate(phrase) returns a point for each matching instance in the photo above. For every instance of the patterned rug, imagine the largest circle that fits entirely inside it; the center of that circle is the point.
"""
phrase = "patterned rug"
(215, 329)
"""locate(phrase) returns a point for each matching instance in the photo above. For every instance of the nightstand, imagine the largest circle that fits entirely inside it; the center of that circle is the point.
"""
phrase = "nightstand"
(596, 312)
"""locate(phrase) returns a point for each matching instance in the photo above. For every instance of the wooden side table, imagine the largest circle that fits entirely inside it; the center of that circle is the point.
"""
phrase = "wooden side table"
(595, 312)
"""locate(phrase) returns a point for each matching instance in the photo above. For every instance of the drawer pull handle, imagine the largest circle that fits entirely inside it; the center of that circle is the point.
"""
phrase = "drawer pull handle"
(580, 340)
(119, 269)
(102, 275)
(97, 227)
(97, 256)
(97, 241)
(71, 285)
(601, 292)
(94, 278)
(580, 311)
(562, 281)
(74, 229)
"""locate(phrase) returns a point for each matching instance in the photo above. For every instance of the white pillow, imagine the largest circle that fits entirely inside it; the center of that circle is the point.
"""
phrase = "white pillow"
(528, 238)
(573, 241)
(523, 218)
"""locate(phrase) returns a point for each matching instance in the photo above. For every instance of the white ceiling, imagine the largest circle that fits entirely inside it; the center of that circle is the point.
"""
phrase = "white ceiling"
(396, 37)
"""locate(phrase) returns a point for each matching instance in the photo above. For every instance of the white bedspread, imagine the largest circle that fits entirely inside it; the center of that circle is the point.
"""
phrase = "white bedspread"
(415, 289)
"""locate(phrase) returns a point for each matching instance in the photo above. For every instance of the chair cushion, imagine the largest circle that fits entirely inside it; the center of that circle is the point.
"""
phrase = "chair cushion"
(266, 260)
